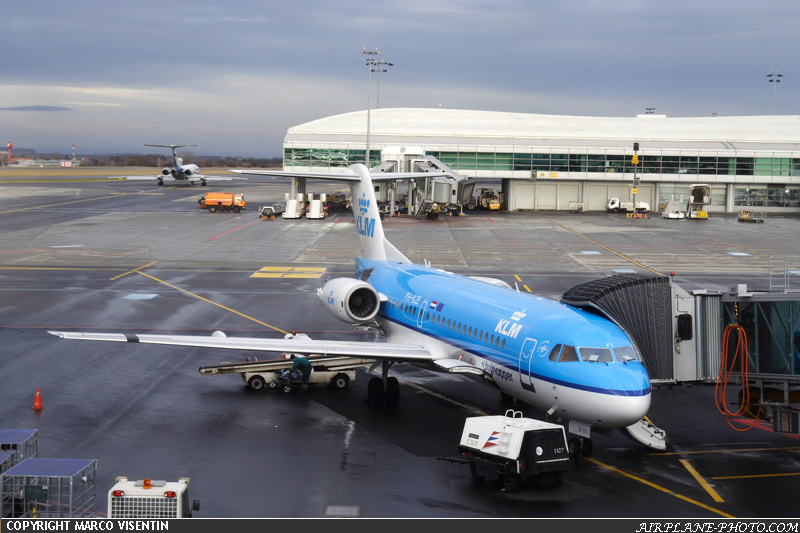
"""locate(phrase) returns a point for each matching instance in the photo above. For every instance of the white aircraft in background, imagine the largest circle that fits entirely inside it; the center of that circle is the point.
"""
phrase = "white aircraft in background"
(179, 172)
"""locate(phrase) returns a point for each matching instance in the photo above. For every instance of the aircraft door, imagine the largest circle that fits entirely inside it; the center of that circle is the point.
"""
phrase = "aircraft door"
(525, 363)
(421, 316)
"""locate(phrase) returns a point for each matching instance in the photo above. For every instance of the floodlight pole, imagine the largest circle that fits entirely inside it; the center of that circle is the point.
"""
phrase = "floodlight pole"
(380, 68)
(635, 162)
(773, 78)
(371, 61)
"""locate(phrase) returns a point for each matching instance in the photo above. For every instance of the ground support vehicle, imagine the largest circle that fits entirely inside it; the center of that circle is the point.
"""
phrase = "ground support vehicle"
(319, 208)
(338, 371)
(615, 206)
(287, 381)
(487, 199)
(577, 206)
(270, 211)
(223, 201)
(674, 209)
(747, 215)
(699, 198)
(150, 498)
(512, 449)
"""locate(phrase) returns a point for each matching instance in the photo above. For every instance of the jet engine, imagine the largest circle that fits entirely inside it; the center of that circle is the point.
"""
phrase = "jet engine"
(187, 171)
(350, 300)
(166, 171)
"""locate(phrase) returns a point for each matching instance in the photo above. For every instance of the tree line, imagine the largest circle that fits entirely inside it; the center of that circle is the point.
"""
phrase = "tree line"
(161, 160)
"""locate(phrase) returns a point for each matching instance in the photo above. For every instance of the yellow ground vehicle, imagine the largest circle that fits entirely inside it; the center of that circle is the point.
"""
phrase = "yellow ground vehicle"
(487, 199)
(223, 201)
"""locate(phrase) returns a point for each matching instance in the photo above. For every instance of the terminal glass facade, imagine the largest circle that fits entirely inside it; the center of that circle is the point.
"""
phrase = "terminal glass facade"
(564, 162)
(766, 197)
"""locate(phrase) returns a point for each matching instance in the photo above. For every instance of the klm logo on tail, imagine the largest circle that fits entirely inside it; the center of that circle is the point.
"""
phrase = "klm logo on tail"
(364, 225)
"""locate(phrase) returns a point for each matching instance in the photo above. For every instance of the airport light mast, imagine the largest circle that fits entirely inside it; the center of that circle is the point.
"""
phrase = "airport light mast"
(635, 162)
(371, 62)
(773, 78)
(380, 68)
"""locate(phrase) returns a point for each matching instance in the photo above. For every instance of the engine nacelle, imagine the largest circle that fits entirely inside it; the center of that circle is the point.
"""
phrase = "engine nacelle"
(350, 300)
(166, 171)
(187, 171)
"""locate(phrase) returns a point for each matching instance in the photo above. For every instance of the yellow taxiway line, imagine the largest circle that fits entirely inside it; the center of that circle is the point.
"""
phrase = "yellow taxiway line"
(213, 303)
(703, 483)
(659, 487)
(605, 247)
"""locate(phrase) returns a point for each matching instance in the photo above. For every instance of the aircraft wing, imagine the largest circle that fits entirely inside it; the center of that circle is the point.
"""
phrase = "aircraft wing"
(345, 175)
(216, 178)
(150, 178)
(369, 350)
(194, 177)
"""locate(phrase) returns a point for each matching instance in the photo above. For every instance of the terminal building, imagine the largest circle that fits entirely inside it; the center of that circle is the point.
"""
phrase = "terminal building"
(548, 161)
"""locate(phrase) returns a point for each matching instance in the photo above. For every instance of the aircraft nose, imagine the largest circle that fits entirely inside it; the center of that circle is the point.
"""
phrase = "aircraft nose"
(627, 401)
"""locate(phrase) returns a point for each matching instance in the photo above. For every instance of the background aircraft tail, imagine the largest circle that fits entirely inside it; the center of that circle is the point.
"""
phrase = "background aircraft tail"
(374, 245)
(176, 161)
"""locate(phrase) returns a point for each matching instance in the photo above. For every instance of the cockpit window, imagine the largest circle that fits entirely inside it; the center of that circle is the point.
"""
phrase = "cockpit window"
(568, 355)
(554, 352)
(596, 355)
(625, 353)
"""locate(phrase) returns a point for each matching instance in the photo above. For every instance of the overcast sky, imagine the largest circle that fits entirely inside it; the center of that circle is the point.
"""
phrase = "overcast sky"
(232, 77)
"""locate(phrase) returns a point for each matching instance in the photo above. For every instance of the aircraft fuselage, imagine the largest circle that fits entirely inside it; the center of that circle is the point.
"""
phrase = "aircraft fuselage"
(576, 364)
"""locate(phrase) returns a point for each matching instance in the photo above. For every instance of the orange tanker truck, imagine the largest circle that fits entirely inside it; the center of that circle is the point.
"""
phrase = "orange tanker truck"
(222, 201)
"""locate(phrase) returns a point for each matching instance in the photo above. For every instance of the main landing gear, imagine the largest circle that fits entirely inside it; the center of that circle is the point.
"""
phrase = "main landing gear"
(579, 446)
(384, 389)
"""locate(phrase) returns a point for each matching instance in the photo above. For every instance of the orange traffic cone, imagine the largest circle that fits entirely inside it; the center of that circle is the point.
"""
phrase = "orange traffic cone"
(37, 403)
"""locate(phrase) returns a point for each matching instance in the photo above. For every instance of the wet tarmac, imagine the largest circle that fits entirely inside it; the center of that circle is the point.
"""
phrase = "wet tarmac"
(134, 257)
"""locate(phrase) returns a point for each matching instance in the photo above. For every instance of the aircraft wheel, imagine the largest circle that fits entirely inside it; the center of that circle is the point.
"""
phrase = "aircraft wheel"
(586, 447)
(574, 445)
(375, 391)
(256, 383)
(511, 482)
(160, 183)
(340, 381)
(392, 392)
(204, 184)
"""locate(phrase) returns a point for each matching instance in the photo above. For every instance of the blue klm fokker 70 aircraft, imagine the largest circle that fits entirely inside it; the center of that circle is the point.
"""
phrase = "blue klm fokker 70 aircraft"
(579, 367)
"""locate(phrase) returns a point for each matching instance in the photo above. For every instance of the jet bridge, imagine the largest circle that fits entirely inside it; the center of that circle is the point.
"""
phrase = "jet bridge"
(685, 338)
(427, 197)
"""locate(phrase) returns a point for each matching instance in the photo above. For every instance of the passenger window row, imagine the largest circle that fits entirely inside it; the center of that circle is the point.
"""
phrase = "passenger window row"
(440, 320)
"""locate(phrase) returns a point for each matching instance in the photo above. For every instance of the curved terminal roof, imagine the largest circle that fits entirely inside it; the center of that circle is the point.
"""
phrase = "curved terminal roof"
(438, 126)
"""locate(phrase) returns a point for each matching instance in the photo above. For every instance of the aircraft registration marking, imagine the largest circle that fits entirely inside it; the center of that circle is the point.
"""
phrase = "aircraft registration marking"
(290, 272)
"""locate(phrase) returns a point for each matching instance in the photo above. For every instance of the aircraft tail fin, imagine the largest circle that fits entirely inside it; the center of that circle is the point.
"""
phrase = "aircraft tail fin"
(176, 161)
(374, 245)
